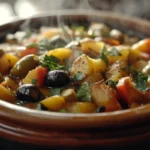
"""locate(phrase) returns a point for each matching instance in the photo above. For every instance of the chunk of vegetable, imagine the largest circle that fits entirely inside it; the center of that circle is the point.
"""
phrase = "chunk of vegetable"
(7, 94)
(104, 96)
(128, 93)
(54, 103)
(60, 53)
(69, 95)
(38, 75)
(7, 61)
(80, 107)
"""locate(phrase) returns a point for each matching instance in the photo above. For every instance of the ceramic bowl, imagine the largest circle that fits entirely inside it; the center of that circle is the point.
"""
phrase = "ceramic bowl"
(63, 130)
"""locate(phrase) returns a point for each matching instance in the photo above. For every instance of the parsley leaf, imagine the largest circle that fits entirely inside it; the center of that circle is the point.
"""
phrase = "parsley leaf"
(112, 83)
(104, 54)
(78, 76)
(83, 93)
(55, 91)
(34, 81)
(141, 80)
(114, 52)
(51, 62)
(33, 45)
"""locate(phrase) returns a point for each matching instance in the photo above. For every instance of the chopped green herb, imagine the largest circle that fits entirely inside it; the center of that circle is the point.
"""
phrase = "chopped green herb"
(67, 64)
(51, 62)
(83, 93)
(141, 80)
(78, 76)
(114, 52)
(55, 91)
(112, 83)
(34, 81)
(104, 54)
(33, 45)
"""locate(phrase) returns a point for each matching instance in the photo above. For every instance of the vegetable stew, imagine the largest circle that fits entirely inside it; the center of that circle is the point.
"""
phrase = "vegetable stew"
(75, 69)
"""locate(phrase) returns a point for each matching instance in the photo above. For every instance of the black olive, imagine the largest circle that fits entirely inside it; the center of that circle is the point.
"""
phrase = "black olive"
(100, 109)
(28, 93)
(57, 78)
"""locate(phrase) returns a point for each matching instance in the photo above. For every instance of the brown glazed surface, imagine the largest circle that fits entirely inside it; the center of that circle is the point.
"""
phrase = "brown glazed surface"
(120, 128)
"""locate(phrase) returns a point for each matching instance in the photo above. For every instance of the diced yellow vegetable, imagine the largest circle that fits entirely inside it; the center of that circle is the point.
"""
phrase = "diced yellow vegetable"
(98, 65)
(29, 77)
(69, 95)
(82, 64)
(123, 54)
(81, 107)
(7, 61)
(91, 45)
(12, 84)
(7, 95)
(54, 103)
(60, 53)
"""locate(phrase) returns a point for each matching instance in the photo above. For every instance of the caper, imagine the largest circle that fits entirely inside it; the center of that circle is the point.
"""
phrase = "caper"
(24, 65)
(57, 78)
(28, 93)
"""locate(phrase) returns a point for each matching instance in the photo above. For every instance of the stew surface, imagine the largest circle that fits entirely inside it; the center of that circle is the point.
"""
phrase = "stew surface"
(75, 69)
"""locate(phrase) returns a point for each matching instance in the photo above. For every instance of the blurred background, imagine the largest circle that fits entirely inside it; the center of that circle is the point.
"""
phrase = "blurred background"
(10, 9)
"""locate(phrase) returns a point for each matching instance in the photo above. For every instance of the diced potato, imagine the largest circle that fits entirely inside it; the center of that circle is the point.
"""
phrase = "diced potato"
(142, 46)
(12, 84)
(128, 93)
(69, 95)
(54, 103)
(104, 96)
(117, 71)
(7, 61)
(7, 95)
(81, 107)
(90, 45)
(38, 74)
(96, 77)
(124, 53)
(82, 64)
(60, 53)
(98, 65)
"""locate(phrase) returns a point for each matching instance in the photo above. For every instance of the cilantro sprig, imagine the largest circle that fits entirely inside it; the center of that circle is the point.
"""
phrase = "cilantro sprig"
(141, 80)
(78, 76)
(104, 54)
(51, 62)
(55, 91)
(83, 93)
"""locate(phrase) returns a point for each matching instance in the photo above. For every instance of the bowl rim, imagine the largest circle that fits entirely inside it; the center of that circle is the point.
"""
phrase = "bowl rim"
(121, 118)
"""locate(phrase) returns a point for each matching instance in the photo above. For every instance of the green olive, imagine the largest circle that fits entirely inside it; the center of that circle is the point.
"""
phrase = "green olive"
(24, 65)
